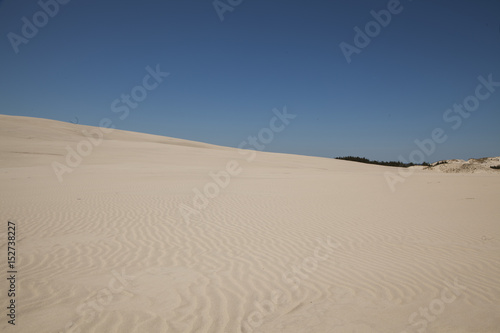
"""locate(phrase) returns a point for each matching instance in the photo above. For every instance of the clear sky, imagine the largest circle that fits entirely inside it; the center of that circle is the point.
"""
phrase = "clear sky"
(226, 76)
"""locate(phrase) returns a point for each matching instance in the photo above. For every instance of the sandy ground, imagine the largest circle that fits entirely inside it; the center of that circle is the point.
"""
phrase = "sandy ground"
(128, 242)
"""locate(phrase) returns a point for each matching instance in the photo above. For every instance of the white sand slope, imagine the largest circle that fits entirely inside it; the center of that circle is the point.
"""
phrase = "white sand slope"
(291, 244)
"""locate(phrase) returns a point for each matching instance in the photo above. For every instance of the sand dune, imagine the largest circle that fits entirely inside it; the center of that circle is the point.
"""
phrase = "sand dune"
(287, 244)
(473, 165)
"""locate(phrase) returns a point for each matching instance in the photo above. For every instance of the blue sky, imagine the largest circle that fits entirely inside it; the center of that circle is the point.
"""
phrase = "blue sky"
(227, 76)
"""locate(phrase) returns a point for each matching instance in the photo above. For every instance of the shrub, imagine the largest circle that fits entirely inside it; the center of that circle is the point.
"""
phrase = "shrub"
(367, 161)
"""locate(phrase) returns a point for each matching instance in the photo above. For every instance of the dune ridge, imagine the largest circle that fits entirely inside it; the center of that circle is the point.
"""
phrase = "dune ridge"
(472, 165)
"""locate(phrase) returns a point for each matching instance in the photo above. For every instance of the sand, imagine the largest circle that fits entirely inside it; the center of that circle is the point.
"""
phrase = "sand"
(282, 243)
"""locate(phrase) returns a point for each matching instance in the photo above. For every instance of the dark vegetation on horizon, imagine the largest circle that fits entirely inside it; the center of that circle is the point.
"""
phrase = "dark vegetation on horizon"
(390, 163)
